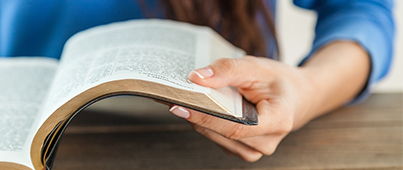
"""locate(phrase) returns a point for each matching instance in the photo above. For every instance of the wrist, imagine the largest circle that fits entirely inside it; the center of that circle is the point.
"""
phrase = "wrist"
(316, 92)
(337, 73)
(310, 98)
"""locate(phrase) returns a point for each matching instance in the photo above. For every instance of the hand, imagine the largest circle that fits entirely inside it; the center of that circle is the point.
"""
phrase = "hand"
(280, 93)
(286, 97)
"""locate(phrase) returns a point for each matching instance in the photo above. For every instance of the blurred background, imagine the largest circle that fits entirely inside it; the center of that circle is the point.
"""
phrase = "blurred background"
(295, 28)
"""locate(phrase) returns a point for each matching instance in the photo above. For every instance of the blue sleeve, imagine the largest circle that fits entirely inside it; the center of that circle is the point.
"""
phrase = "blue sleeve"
(367, 22)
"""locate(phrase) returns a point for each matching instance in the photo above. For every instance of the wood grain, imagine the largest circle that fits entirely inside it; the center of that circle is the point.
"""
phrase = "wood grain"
(366, 136)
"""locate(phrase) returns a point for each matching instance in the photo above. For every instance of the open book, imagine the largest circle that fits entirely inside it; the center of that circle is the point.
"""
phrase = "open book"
(148, 58)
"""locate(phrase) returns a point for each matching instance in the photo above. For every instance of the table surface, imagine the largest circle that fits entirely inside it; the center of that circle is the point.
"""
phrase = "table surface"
(366, 136)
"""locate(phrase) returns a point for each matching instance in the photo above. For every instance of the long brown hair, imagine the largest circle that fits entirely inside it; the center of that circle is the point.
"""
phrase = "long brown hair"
(236, 20)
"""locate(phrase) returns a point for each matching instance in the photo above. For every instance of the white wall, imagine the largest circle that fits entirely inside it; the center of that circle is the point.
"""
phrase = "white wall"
(296, 31)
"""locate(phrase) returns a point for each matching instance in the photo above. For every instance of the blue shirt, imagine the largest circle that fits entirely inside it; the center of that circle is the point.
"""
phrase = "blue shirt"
(41, 27)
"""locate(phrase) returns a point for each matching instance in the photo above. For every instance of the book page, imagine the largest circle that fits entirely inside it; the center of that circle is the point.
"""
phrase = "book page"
(227, 97)
(24, 84)
(154, 50)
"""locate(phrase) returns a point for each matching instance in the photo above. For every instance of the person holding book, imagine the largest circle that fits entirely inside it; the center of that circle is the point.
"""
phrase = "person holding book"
(352, 51)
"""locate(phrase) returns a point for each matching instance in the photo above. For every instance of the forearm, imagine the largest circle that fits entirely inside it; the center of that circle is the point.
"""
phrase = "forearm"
(338, 72)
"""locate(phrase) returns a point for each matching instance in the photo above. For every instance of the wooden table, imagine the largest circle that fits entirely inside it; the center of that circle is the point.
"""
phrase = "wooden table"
(366, 136)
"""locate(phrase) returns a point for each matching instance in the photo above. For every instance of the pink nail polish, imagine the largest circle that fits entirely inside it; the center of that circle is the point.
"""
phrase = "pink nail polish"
(205, 72)
(180, 111)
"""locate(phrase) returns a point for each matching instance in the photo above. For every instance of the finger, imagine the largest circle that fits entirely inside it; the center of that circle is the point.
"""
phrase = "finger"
(226, 128)
(245, 72)
(274, 120)
(235, 147)
(277, 114)
(266, 144)
(256, 95)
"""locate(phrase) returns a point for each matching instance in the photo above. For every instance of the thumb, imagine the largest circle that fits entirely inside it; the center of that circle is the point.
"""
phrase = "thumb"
(242, 73)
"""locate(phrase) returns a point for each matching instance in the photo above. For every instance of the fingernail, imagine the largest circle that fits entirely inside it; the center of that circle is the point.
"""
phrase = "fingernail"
(180, 111)
(205, 72)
